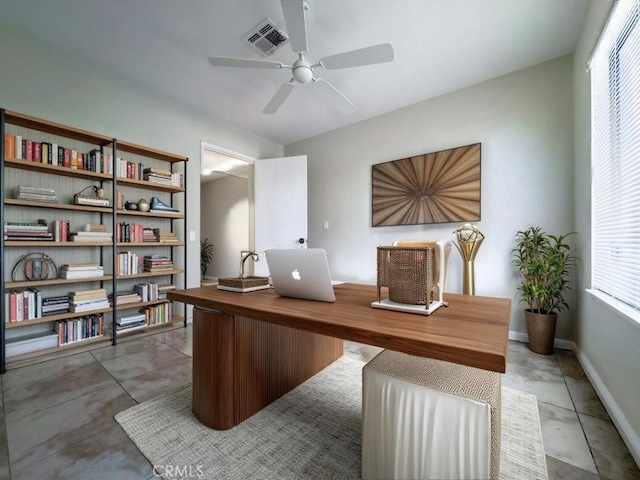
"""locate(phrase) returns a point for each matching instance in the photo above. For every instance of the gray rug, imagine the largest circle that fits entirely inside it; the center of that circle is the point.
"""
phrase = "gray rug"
(313, 432)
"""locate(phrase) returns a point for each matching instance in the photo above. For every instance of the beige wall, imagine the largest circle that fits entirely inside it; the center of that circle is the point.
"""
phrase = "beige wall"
(524, 121)
(224, 219)
(607, 341)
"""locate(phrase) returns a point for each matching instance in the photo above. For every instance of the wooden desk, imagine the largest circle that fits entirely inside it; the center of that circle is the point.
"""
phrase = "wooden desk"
(250, 349)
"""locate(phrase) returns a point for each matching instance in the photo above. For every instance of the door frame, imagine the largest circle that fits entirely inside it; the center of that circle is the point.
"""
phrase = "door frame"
(204, 146)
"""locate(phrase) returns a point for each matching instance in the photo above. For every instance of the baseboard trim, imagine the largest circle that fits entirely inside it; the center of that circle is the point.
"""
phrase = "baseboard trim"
(557, 343)
(629, 436)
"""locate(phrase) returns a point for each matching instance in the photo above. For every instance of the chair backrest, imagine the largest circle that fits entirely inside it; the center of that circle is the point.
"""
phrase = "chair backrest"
(441, 258)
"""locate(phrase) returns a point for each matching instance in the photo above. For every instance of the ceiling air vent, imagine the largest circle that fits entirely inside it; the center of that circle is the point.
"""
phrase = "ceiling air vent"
(266, 37)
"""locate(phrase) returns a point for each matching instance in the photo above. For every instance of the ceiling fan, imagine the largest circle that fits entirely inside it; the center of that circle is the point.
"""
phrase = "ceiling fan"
(302, 69)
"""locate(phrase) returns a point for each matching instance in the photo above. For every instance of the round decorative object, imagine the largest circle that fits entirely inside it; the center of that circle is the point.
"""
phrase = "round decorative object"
(131, 206)
(143, 205)
(34, 267)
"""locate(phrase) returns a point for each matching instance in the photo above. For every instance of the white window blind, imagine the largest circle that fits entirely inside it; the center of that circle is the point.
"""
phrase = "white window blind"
(615, 152)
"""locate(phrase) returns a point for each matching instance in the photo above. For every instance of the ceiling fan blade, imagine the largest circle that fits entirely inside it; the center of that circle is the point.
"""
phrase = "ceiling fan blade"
(294, 17)
(279, 98)
(332, 95)
(356, 58)
(241, 62)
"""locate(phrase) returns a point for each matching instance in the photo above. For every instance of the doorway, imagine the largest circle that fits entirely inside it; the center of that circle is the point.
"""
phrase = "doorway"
(226, 208)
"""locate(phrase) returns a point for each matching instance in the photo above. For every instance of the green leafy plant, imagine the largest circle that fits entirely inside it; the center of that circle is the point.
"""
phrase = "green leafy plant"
(206, 255)
(544, 262)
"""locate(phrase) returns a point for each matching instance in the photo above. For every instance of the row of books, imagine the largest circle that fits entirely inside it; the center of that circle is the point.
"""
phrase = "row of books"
(28, 303)
(129, 263)
(158, 314)
(78, 329)
(53, 154)
(22, 304)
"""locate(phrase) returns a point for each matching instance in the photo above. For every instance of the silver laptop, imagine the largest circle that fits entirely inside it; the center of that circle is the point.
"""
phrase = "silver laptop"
(301, 273)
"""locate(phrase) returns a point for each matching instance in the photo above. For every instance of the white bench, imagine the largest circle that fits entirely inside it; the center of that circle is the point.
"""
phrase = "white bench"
(429, 419)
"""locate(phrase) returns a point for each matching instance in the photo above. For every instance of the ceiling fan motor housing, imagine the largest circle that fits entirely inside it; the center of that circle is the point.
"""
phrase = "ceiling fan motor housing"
(302, 71)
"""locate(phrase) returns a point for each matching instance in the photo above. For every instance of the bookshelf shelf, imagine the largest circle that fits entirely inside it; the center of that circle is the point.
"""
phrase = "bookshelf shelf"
(48, 145)
(52, 318)
(55, 170)
(57, 281)
(173, 271)
(43, 244)
(149, 185)
(150, 244)
(129, 306)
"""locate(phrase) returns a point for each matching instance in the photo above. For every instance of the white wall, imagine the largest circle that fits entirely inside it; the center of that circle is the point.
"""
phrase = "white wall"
(607, 342)
(224, 219)
(523, 120)
(38, 80)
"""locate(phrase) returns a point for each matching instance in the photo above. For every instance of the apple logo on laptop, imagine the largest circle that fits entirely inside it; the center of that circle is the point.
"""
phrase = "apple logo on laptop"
(296, 274)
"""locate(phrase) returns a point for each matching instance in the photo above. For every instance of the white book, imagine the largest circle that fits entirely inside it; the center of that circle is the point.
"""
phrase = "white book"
(18, 153)
(54, 154)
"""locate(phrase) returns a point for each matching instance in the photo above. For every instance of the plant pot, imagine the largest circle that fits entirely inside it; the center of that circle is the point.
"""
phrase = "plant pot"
(542, 331)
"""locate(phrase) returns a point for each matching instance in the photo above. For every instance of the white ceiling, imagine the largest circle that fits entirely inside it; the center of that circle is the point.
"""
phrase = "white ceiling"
(440, 46)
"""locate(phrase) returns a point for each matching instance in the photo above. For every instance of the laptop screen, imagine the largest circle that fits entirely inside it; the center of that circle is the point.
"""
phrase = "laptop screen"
(301, 273)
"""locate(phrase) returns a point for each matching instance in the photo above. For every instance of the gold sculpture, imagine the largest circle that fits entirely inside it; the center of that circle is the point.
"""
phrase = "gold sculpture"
(469, 241)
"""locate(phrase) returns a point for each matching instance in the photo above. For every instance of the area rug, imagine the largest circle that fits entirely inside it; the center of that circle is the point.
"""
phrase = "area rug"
(312, 432)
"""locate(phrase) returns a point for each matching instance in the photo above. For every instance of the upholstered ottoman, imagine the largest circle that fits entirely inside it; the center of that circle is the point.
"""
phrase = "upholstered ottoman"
(428, 419)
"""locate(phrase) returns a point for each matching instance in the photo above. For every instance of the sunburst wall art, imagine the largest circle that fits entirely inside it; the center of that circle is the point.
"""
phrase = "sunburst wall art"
(439, 187)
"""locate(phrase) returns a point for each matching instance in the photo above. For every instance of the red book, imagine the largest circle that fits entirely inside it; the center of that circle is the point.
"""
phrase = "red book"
(37, 152)
(29, 150)
(67, 158)
(80, 161)
(13, 309)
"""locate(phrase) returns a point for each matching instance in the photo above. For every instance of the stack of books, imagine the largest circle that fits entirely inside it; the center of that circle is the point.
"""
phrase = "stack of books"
(126, 297)
(148, 235)
(131, 322)
(129, 263)
(155, 263)
(97, 237)
(163, 289)
(81, 270)
(36, 194)
(87, 300)
(38, 231)
(157, 175)
(55, 305)
(165, 237)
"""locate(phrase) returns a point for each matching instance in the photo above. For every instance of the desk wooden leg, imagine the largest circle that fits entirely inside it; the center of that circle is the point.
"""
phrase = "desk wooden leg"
(241, 365)
(213, 369)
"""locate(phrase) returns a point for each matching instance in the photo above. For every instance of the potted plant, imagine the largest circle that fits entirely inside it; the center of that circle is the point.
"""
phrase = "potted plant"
(544, 262)
(206, 255)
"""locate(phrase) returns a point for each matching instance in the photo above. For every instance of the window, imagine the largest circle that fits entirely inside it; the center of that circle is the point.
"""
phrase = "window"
(615, 159)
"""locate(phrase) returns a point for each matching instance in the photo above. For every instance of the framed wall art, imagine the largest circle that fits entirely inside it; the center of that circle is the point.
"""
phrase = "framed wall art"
(438, 187)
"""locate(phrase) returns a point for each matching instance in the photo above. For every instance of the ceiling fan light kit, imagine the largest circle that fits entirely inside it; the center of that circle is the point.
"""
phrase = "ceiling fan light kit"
(302, 70)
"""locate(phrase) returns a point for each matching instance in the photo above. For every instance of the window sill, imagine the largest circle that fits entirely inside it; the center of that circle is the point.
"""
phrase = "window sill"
(632, 315)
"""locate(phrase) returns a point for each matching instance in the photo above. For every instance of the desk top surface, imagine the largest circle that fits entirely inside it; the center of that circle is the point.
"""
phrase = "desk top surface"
(472, 330)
